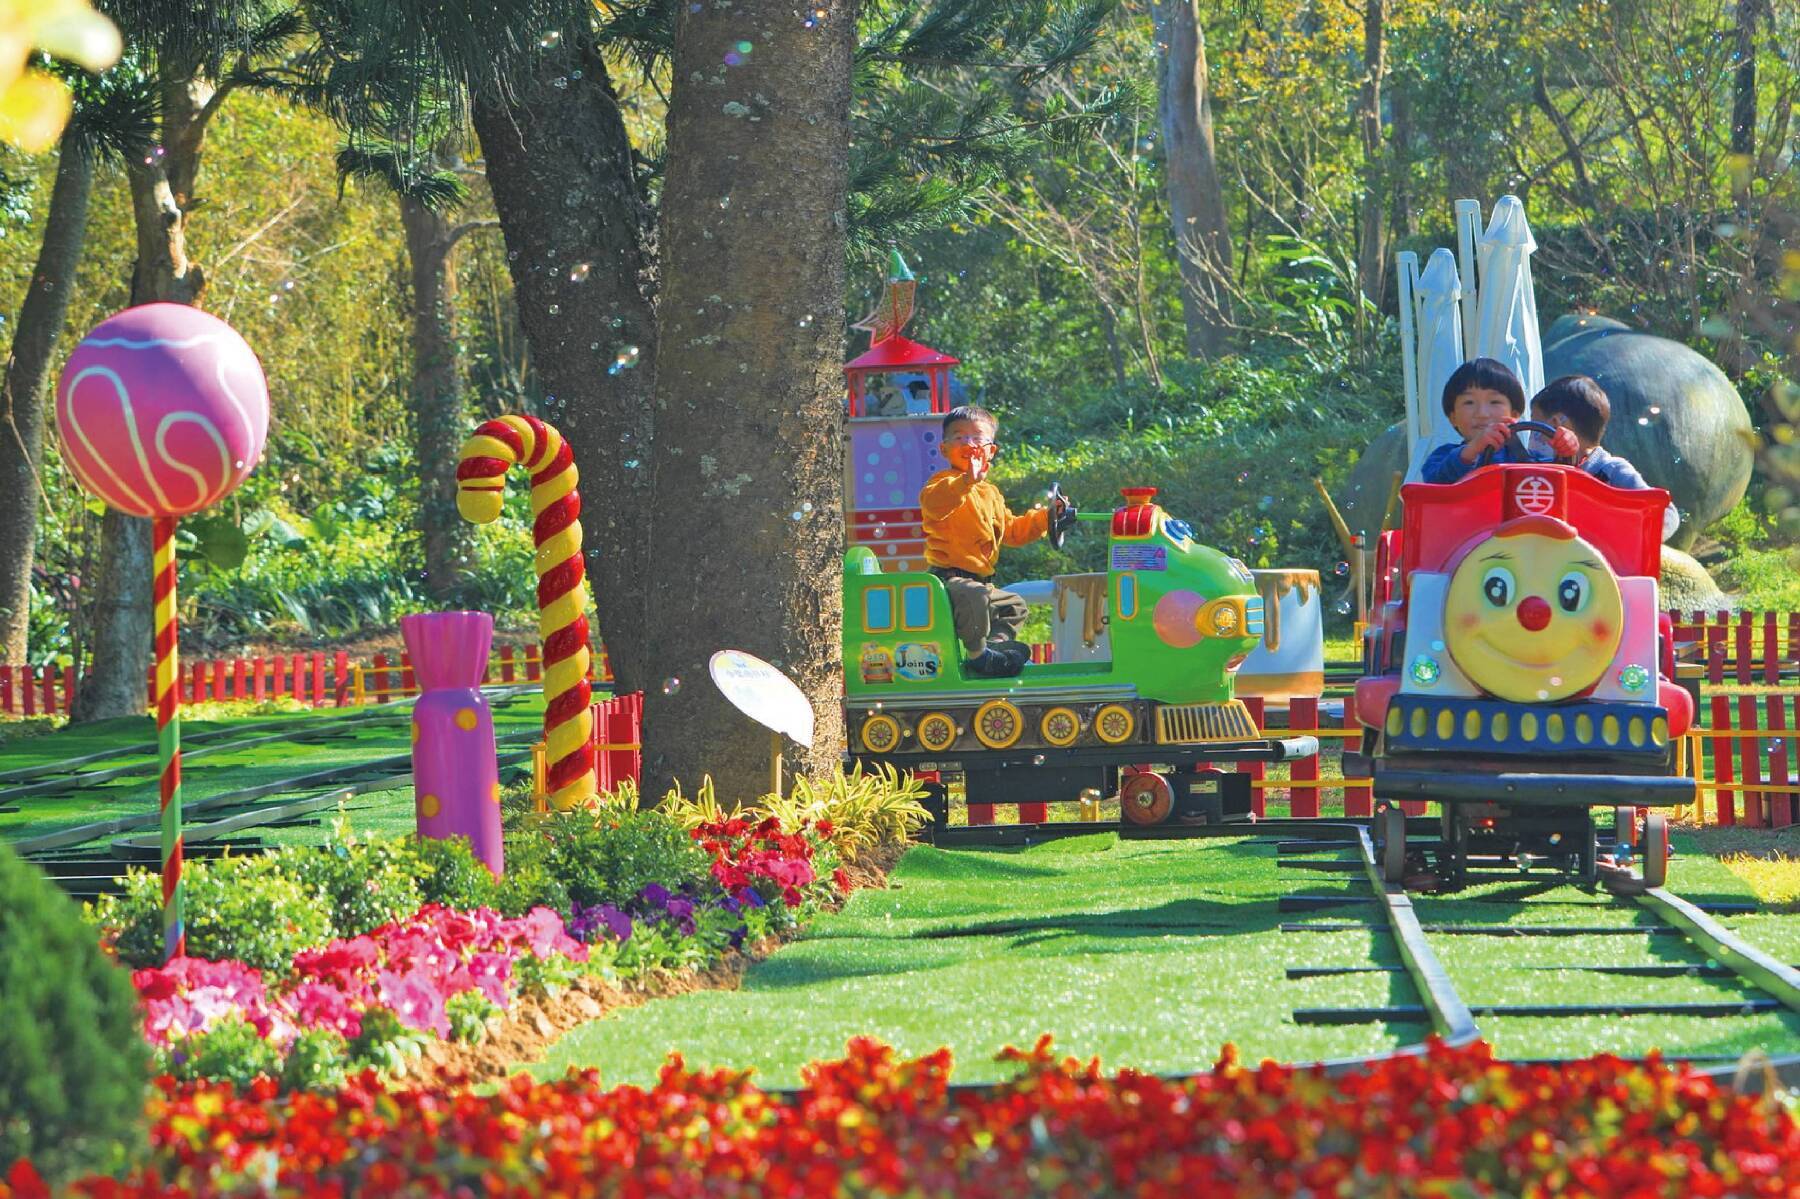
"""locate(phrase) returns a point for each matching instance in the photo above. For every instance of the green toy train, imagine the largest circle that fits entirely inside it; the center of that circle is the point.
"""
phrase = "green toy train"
(1181, 618)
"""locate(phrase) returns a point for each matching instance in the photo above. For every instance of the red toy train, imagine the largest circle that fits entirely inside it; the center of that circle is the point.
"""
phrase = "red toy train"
(1518, 672)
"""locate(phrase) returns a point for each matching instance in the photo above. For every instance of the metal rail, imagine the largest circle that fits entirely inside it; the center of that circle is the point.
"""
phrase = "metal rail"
(1725, 947)
(1449, 1015)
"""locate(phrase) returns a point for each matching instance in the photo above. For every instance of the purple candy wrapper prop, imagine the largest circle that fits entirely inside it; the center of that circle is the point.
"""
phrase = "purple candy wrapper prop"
(456, 781)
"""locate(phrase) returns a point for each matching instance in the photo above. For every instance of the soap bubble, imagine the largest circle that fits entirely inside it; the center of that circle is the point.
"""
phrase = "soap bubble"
(1037, 759)
(1342, 607)
(579, 272)
(550, 39)
(624, 360)
(670, 686)
(1342, 568)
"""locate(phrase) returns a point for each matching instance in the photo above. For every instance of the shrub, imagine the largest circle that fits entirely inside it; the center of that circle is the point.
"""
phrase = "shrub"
(249, 909)
(366, 883)
(854, 811)
(232, 1050)
(74, 1064)
(315, 1061)
(608, 855)
(450, 874)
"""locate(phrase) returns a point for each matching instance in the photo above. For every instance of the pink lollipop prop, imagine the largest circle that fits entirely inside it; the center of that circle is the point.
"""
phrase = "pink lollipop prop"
(162, 411)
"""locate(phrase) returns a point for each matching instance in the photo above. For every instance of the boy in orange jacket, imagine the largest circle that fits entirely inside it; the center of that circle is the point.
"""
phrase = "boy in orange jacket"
(966, 522)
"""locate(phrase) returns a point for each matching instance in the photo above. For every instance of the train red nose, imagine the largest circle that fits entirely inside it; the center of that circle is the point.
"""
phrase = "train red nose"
(1534, 613)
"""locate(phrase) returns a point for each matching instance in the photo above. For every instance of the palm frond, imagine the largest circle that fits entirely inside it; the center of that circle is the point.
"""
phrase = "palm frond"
(410, 175)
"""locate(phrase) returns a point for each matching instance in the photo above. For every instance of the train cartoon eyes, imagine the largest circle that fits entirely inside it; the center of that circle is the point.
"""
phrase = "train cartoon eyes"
(1532, 613)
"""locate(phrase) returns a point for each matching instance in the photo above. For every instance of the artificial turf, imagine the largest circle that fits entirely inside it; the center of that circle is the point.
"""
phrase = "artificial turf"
(1154, 954)
(213, 774)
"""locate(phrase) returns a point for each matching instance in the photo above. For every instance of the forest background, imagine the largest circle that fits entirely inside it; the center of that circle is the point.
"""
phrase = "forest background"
(1035, 161)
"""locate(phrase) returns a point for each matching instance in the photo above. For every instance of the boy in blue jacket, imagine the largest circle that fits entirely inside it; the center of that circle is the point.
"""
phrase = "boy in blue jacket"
(1577, 404)
(1483, 398)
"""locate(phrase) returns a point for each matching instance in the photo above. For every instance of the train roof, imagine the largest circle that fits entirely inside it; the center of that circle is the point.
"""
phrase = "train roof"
(1625, 526)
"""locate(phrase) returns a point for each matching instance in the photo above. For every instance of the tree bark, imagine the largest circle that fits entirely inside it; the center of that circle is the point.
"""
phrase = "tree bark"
(749, 531)
(1372, 220)
(580, 242)
(41, 319)
(162, 190)
(1196, 197)
(437, 397)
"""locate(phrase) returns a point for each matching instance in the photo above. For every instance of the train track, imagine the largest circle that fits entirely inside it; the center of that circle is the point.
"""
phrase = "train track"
(1714, 952)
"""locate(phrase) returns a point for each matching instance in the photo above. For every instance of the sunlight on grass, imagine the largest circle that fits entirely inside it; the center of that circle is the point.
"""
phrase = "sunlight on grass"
(1776, 879)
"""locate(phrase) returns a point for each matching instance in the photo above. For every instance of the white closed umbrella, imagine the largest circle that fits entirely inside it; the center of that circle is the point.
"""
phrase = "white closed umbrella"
(1506, 320)
(1439, 321)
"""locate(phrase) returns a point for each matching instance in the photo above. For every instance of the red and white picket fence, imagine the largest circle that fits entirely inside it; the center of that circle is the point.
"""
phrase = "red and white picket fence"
(1740, 647)
(318, 679)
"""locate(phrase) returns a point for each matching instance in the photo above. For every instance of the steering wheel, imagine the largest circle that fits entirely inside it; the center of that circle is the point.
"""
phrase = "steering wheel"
(1522, 426)
(1062, 516)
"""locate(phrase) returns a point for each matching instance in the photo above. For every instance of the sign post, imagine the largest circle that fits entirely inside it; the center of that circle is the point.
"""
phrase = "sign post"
(767, 696)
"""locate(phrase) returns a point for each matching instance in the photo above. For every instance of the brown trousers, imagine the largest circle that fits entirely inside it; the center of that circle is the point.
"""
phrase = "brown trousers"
(983, 612)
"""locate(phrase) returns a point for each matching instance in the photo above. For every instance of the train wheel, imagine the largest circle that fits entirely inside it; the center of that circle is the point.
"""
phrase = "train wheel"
(1059, 727)
(998, 723)
(1146, 798)
(1625, 826)
(880, 734)
(1656, 849)
(1390, 834)
(1114, 724)
(936, 732)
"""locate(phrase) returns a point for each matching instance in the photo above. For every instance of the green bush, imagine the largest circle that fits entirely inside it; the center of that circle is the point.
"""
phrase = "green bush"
(245, 908)
(316, 1061)
(528, 883)
(73, 1063)
(231, 1050)
(609, 855)
(367, 883)
(451, 874)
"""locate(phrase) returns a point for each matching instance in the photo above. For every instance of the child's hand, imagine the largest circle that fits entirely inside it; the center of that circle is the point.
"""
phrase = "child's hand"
(979, 458)
(1565, 444)
(1491, 438)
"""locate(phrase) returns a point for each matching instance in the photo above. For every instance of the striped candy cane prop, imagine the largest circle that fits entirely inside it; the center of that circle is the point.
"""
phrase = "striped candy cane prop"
(162, 411)
(562, 580)
(168, 730)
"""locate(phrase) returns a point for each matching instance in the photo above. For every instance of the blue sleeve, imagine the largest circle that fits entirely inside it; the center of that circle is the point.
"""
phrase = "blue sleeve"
(1617, 472)
(1444, 465)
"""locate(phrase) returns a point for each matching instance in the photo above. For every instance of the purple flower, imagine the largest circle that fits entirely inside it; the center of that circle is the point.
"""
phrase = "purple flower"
(587, 923)
(655, 894)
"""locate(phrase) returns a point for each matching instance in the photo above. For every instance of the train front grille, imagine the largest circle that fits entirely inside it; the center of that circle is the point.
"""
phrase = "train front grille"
(1198, 724)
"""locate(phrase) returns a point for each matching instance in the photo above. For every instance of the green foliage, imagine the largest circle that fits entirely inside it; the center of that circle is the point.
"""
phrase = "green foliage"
(384, 1043)
(548, 976)
(469, 1013)
(450, 874)
(603, 856)
(231, 1049)
(74, 1066)
(316, 1061)
(366, 884)
(247, 908)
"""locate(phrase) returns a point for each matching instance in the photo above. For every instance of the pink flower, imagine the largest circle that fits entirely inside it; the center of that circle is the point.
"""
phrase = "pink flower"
(320, 1005)
(416, 998)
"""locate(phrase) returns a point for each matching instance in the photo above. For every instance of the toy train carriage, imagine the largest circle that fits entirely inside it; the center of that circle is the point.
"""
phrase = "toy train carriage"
(1519, 657)
(1182, 617)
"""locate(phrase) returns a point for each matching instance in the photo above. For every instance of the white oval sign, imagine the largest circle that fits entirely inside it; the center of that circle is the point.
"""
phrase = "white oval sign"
(763, 694)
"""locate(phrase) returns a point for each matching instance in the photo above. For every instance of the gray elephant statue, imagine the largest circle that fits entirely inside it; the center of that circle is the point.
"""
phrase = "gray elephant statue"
(1674, 415)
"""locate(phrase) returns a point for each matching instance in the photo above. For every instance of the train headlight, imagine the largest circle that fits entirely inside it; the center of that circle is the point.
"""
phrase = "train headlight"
(1221, 618)
(1425, 670)
(1634, 678)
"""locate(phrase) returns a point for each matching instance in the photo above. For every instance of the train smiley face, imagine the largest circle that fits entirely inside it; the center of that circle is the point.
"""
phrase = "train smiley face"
(1533, 613)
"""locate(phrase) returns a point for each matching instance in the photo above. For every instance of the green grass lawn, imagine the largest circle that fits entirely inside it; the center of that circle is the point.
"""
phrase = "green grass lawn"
(1154, 954)
(231, 770)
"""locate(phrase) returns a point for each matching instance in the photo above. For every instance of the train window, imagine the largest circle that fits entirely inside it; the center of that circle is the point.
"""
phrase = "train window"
(1127, 596)
(915, 606)
(878, 610)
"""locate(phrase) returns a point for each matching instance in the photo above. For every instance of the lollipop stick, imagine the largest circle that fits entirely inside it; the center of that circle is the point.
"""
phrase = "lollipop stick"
(168, 734)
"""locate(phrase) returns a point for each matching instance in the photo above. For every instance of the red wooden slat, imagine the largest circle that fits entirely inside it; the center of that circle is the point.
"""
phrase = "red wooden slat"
(406, 672)
(6, 689)
(280, 666)
(257, 682)
(1256, 770)
(318, 666)
(1359, 800)
(1721, 765)
(1715, 650)
(378, 674)
(340, 678)
(1746, 654)
(1303, 716)
(197, 684)
(68, 690)
(1771, 650)
(28, 683)
(218, 678)
(49, 685)
(1750, 761)
(1034, 813)
(1781, 801)
(507, 674)
(534, 663)
(240, 675)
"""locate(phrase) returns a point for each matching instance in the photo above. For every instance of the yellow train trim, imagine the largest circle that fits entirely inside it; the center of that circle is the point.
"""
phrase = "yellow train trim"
(1199, 724)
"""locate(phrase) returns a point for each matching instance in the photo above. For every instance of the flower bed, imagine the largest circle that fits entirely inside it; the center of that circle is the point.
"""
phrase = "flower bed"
(1451, 1123)
(387, 994)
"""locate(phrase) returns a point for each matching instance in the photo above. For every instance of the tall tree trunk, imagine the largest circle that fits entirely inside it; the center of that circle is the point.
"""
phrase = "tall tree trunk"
(1402, 221)
(437, 397)
(1196, 198)
(749, 530)
(161, 193)
(1743, 88)
(1372, 219)
(580, 240)
(41, 319)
